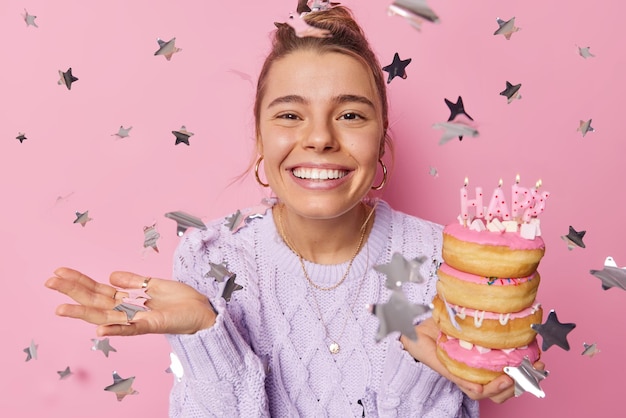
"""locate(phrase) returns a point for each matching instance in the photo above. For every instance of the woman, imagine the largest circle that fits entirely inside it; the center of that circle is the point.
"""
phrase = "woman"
(297, 339)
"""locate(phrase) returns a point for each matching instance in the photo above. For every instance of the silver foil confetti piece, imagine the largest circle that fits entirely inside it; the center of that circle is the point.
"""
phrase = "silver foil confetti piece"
(185, 221)
(527, 378)
(416, 12)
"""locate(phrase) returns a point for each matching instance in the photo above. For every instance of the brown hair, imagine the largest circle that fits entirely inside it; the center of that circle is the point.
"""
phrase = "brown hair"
(347, 38)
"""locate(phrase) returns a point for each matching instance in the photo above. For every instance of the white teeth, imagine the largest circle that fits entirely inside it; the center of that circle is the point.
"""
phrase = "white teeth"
(318, 173)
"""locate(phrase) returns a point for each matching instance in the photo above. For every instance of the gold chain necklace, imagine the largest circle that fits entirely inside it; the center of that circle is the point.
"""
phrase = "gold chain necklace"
(301, 259)
(334, 345)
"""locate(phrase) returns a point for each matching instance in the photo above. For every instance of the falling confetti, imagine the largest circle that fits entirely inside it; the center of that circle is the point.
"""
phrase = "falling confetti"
(454, 130)
(31, 351)
(400, 271)
(415, 12)
(185, 221)
(397, 68)
(574, 238)
(182, 135)
(432, 171)
(611, 275)
(150, 237)
(176, 367)
(230, 287)
(219, 272)
(506, 28)
(130, 309)
(553, 332)
(121, 387)
(584, 52)
(64, 373)
(527, 378)
(167, 49)
(456, 109)
(511, 92)
(82, 218)
(397, 314)
(102, 345)
(589, 350)
(585, 126)
(66, 78)
(123, 132)
(21, 137)
(29, 19)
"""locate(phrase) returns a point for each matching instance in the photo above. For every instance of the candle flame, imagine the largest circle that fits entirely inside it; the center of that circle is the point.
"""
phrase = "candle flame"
(538, 184)
(517, 179)
(466, 182)
(500, 183)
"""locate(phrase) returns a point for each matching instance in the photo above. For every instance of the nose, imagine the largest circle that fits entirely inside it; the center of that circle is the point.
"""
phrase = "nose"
(320, 136)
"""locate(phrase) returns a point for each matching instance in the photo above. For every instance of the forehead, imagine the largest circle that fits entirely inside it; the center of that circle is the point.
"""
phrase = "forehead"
(319, 75)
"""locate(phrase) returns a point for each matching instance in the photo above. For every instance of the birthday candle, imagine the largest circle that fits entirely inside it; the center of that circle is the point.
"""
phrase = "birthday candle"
(522, 198)
(497, 205)
(467, 203)
(538, 203)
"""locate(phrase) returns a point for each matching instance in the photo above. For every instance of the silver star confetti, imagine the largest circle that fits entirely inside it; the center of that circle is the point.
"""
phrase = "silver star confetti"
(31, 351)
(584, 52)
(64, 373)
(574, 238)
(123, 132)
(239, 219)
(185, 221)
(454, 130)
(182, 135)
(584, 126)
(527, 378)
(167, 49)
(397, 68)
(29, 19)
(506, 28)
(21, 137)
(415, 12)
(611, 275)
(176, 367)
(400, 271)
(590, 350)
(150, 237)
(66, 78)
(219, 272)
(553, 332)
(82, 218)
(130, 309)
(397, 314)
(121, 387)
(432, 171)
(102, 345)
(230, 287)
(456, 109)
(511, 92)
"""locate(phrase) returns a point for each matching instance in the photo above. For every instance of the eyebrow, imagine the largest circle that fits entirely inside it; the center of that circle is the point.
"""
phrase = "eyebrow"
(341, 99)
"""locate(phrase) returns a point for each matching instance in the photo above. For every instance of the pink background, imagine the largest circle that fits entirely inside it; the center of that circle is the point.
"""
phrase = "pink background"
(130, 183)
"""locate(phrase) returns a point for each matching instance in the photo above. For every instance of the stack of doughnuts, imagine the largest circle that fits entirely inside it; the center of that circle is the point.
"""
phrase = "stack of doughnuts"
(485, 301)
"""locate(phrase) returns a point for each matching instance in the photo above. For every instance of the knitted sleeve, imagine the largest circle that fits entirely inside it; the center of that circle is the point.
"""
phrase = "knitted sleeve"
(222, 375)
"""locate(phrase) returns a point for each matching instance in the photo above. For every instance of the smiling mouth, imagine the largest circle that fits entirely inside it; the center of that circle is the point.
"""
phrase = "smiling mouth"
(318, 173)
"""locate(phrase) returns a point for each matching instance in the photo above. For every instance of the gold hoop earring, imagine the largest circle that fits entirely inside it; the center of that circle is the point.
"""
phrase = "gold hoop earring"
(256, 172)
(382, 183)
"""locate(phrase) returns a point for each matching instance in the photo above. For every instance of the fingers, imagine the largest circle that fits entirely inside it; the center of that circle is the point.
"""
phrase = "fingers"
(83, 290)
(92, 315)
(499, 389)
(79, 278)
(127, 280)
(137, 327)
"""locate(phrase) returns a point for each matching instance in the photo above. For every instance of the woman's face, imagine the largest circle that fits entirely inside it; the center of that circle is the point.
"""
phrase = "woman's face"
(320, 132)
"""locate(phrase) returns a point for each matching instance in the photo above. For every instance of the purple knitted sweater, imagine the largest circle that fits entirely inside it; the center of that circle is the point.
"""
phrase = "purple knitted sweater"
(267, 354)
